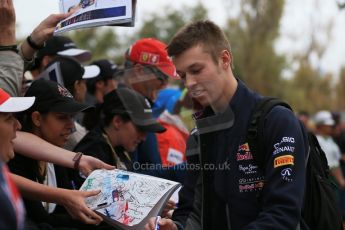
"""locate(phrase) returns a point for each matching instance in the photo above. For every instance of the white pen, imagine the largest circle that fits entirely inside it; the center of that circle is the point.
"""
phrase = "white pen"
(157, 223)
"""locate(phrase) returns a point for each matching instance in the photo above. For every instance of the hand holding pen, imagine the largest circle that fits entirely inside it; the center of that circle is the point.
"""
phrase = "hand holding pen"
(160, 223)
(158, 218)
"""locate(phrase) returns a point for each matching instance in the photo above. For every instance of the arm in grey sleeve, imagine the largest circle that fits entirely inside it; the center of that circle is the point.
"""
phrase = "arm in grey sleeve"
(11, 72)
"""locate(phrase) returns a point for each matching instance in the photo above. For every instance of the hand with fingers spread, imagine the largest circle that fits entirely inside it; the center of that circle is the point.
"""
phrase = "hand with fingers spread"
(88, 164)
(74, 202)
(163, 223)
(7, 23)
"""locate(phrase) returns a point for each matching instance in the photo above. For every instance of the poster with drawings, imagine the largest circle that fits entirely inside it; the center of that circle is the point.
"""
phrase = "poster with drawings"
(127, 200)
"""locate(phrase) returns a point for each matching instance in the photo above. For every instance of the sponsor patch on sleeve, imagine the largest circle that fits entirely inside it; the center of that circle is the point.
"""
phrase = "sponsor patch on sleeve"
(286, 174)
(283, 160)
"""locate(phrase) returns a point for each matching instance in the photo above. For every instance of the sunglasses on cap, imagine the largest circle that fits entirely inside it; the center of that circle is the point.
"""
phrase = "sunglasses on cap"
(159, 74)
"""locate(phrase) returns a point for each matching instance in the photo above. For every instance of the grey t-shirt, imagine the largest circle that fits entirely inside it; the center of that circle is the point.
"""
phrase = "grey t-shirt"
(11, 72)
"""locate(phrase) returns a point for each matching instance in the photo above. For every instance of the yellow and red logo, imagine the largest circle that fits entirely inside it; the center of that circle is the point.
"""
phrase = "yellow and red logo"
(283, 160)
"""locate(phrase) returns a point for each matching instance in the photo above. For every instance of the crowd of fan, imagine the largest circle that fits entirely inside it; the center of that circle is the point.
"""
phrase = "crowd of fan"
(64, 114)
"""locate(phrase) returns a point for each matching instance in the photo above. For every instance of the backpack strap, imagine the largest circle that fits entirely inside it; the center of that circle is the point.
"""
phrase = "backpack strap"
(255, 134)
(321, 163)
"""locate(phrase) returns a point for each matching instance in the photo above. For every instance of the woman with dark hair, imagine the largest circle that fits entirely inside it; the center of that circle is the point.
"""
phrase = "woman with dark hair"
(125, 118)
(12, 212)
(50, 118)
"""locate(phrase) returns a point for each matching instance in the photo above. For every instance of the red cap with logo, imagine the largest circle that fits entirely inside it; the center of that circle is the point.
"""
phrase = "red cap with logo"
(152, 52)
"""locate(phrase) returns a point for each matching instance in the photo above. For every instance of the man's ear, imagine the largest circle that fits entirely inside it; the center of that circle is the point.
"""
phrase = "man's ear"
(226, 59)
(76, 87)
(36, 118)
(138, 69)
(46, 60)
(99, 84)
(77, 83)
(116, 122)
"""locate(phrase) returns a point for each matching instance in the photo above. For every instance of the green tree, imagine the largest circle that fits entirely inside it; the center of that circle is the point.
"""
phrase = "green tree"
(340, 91)
(310, 90)
(163, 27)
(341, 5)
(103, 42)
(252, 35)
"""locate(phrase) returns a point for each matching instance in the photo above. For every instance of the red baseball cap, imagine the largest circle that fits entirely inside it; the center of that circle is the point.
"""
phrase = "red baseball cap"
(152, 52)
(10, 104)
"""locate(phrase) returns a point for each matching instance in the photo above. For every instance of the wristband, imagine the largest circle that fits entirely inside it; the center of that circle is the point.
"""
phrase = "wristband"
(76, 160)
(33, 45)
(13, 48)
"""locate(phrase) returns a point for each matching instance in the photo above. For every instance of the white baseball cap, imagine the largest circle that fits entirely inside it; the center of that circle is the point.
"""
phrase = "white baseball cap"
(324, 118)
(91, 71)
(10, 104)
(64, 46)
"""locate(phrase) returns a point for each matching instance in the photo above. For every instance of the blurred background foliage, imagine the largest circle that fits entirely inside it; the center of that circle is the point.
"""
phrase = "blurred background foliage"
(252, 34)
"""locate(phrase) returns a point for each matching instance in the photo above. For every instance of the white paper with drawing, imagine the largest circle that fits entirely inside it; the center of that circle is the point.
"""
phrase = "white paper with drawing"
(90, 13)
(128, 199)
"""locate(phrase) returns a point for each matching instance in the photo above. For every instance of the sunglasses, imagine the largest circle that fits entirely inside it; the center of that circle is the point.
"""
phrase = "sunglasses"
(158, 73)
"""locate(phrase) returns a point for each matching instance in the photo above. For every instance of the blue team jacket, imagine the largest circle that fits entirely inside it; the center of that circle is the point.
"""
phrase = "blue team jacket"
(225, 188)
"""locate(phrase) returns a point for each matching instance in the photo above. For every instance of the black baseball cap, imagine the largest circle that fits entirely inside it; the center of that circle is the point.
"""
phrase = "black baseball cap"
(108, 68)
(128, 101)
(72, 70)
(107, 71)
(53, 97)
(64, 46)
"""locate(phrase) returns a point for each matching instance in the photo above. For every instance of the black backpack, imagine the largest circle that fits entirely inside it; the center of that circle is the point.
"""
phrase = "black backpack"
(320, 210)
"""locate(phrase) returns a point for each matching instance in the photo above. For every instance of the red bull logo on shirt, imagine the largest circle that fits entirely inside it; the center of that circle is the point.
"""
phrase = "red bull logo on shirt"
(244, 153)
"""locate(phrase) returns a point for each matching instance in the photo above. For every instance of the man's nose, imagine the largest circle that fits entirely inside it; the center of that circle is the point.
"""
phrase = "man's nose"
(189, 81)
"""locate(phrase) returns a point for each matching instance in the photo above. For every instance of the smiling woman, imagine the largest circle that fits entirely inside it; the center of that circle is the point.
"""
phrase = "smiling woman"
(50, 118)
(12, 209)
(8, 123)
(126, 118)
(8, 126)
